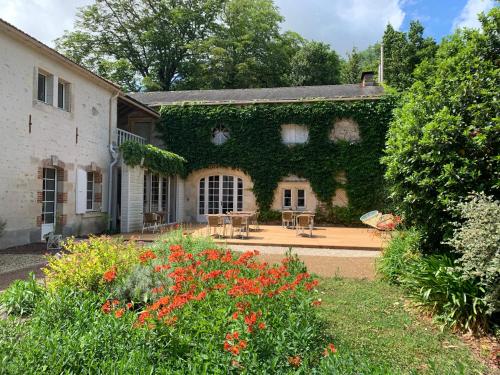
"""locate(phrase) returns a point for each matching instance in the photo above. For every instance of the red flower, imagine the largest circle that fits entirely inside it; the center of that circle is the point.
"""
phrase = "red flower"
(130, 305)
(262, 325)
(235, 350)
(106, 307)
(235, 315)
(109, 275)
(119, 313)
(146, 255)
(329, 349)
(294, 361)
(316, 302)
(242, 344)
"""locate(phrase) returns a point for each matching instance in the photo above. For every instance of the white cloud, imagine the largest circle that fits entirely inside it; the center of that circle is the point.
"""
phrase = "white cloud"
(45, 20)
(342, 23)
(468, 16)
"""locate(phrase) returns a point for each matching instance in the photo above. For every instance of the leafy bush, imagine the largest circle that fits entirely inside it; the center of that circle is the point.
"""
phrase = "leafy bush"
(139, 284)
(215, 311)
(444, 141)
(402, 249)
(477, 240)
(435, 284)
(21, 297)
(85, 262)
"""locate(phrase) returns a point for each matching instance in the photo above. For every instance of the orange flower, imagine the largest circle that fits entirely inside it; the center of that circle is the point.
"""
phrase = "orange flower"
(316, 302)
(235, 350)
(119, 313)
(130, 305)
(146, 255)
(235, 315)
(262, 325)
(242, 344)
(294, 361)
(106, 307)
(330, 348)
(109, 275)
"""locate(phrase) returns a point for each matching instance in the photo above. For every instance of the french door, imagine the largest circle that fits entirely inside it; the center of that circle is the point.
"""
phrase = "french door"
(49, 191)
(160, 195)
(219, 194)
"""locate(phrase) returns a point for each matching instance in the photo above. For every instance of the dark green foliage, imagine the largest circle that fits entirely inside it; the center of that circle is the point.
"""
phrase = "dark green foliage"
(315, 64)
(153, 158)
(403, 52)
(352, 69)
(437, 285)
(21, 296)
(445, 139)
(256, 148)
(402, 249)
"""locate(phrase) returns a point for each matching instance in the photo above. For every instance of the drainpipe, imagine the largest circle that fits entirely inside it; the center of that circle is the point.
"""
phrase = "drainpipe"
(114, 159)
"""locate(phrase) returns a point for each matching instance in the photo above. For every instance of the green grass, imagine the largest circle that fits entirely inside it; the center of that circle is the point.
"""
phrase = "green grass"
(368, 320)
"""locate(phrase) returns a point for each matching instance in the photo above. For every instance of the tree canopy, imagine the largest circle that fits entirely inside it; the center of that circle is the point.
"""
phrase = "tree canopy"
(444, 141)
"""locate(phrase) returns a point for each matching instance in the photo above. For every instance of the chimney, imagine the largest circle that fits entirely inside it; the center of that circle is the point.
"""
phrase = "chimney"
(367, 79)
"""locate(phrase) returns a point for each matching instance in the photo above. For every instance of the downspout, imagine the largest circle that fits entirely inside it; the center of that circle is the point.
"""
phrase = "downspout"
(114, 159)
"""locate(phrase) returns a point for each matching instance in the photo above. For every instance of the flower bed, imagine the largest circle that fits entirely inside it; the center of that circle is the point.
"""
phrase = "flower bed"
(183, 307)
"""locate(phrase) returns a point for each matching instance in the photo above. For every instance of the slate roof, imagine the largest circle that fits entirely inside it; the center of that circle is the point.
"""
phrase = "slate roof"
(268, 95)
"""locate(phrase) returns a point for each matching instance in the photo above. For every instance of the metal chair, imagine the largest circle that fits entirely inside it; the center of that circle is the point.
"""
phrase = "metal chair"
(151, 221)
(240, 223)
(303, 223)
(215, 222)
(287, 219)
(54, 241)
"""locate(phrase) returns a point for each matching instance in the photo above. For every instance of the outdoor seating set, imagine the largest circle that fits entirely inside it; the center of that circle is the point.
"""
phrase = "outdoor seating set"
(154, 221)
(301, 221)
(238, 221)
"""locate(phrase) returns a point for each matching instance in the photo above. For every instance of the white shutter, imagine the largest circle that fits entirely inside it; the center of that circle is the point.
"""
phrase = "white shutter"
(81, 191)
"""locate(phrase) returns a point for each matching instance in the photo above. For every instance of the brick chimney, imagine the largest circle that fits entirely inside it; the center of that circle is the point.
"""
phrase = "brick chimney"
(367, 79)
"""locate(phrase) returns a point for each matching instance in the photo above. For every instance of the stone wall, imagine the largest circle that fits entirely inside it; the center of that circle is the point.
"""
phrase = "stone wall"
(36, 134)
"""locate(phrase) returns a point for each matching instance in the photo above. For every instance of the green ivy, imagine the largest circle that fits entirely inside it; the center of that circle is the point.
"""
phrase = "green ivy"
(153, 158)
(255, 145)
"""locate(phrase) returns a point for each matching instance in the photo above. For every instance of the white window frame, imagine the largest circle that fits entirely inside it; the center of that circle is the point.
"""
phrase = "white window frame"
(289, 134)
(65, 97)
(170, 207)
(305, 199)
(219, 209)
(45, 93)
(283, 198)
(93, 208)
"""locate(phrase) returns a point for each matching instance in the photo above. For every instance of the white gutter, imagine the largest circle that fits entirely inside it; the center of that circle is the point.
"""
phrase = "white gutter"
(114, 156)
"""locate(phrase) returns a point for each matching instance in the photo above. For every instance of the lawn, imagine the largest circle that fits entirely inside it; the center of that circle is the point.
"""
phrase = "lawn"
(183, 306)
(369, 320)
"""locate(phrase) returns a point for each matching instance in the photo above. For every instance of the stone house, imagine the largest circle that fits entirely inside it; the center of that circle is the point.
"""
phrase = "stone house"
(61, 169)
(61, 125)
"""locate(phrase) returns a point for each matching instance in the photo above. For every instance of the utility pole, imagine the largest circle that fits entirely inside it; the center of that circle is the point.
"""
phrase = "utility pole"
(381, 65)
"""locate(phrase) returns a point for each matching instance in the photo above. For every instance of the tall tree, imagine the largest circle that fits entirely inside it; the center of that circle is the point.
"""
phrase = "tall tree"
(247, 50)
(444, 141)
(139, 41)
(315, 64)
(351, 68)
(403, 52)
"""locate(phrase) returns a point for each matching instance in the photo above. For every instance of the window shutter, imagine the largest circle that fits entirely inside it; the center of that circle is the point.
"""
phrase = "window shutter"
(81, 191)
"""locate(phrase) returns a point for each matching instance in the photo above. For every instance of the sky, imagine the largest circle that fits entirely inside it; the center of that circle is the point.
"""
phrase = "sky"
(343, 24)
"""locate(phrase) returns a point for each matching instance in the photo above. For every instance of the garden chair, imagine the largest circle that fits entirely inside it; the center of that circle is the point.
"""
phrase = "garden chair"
(254, 220)
(287, 219)
(240, 223)
(303, 223)
(54, 241)
(215, 222)
(150, 222)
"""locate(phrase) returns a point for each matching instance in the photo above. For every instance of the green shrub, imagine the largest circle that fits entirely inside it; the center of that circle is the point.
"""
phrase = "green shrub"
(85, 262)
(435, 284)
(477, 240)
(402, 249)
(138, 284)
(444, 141)
(21, 297)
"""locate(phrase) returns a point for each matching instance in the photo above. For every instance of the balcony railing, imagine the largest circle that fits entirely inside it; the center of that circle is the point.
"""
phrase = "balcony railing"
(124, 136)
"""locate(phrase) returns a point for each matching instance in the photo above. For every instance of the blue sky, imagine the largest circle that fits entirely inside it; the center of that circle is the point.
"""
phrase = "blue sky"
(341, 23)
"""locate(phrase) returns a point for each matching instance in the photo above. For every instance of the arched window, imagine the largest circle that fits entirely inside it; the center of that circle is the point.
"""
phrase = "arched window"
(220, 134)
(219, 194)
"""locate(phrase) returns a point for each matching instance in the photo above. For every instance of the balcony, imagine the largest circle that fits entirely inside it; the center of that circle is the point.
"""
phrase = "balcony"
(124, 136)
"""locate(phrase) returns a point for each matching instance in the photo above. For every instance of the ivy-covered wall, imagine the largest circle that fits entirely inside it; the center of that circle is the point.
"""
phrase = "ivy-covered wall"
(255, 145)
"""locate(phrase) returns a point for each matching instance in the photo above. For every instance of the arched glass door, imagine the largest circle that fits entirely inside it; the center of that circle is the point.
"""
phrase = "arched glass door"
(219, 194)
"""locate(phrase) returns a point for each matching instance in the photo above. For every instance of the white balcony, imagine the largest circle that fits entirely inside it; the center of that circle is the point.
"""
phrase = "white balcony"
(124, 136)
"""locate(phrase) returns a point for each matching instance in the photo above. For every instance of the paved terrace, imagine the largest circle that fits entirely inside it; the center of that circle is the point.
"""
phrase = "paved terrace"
(277, 236)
